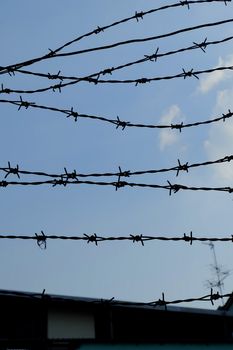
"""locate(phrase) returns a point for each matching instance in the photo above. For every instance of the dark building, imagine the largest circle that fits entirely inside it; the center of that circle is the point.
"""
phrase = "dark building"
(42, 321)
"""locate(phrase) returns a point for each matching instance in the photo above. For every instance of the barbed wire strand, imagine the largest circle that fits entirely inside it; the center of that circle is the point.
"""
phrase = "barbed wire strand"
(134, 238)
(146, 39)
(212, 297)
(137, 16)
(74, 175)
(58, 87)
(149, 57)
(171, 188)
(117, 122)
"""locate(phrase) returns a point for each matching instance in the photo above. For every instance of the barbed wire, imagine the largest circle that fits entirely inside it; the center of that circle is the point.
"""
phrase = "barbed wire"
(137, 16)
(184, 74)
(171, 188)
(146, 39)
(58, 87)
(117, 122)
(42, 238)
(125, 173)
(149, 57)
(212, 297)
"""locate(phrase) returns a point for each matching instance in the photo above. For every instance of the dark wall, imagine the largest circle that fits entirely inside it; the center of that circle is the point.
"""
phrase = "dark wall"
(23, 321)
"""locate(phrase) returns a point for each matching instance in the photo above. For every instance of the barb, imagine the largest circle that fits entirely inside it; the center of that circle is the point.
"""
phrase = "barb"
(185, 3)
(41, 240)
(214, 296)
(118, 122)
(52, 76)
(74, 175)
(202, 45)
(69, 176)
(138, 238)
(11, 170)
(161, 302)
(10, 69)
(25, 104)
(91, 238)
(188, 238)
(182, 167)
(189, 74)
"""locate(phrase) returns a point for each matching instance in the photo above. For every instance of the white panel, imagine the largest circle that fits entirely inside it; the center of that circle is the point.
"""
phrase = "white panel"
(70, 324)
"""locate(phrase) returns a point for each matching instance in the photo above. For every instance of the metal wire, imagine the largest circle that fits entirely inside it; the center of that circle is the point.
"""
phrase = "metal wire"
(137, 16)
(125, 173)
(117, 122)
(172, 188)
(58, 87)
(161, 302)
(134, 238)
(149, 57)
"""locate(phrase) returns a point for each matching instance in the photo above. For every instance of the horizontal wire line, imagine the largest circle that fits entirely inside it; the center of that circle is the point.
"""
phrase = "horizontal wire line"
(142, 40)
(118, 122)
(58, 87)
(172, 188)
(134, 238)
(153, 57)
(74, 175)
(212, 297)
(137, 15)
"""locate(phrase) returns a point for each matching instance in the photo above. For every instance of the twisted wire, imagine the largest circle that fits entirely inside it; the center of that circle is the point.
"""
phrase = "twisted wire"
(122, 124)
(171, 188)
(75, 175)
(58, 87)
(137, 16)
(149, 57)
(161, 302)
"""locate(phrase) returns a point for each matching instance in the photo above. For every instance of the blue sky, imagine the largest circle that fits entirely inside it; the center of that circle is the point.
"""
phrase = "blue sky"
(47, 141)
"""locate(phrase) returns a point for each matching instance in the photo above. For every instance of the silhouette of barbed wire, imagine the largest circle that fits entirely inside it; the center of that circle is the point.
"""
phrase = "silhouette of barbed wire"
(161, 302)
(133, 238)
(147, 57)
(66, 175)
(58, 87)
(171, 188)
(117, 122)
(138, 15)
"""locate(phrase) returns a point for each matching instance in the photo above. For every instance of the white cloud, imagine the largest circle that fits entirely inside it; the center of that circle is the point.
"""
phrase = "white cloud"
(169, 137)
(213, 79)
(220, 139)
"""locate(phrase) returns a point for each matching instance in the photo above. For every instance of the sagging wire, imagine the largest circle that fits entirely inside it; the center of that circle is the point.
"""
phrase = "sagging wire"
(54, 53)
(147, 57)
(72, 114)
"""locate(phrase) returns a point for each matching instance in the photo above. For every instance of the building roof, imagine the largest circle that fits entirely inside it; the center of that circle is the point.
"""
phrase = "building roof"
(112, 320)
